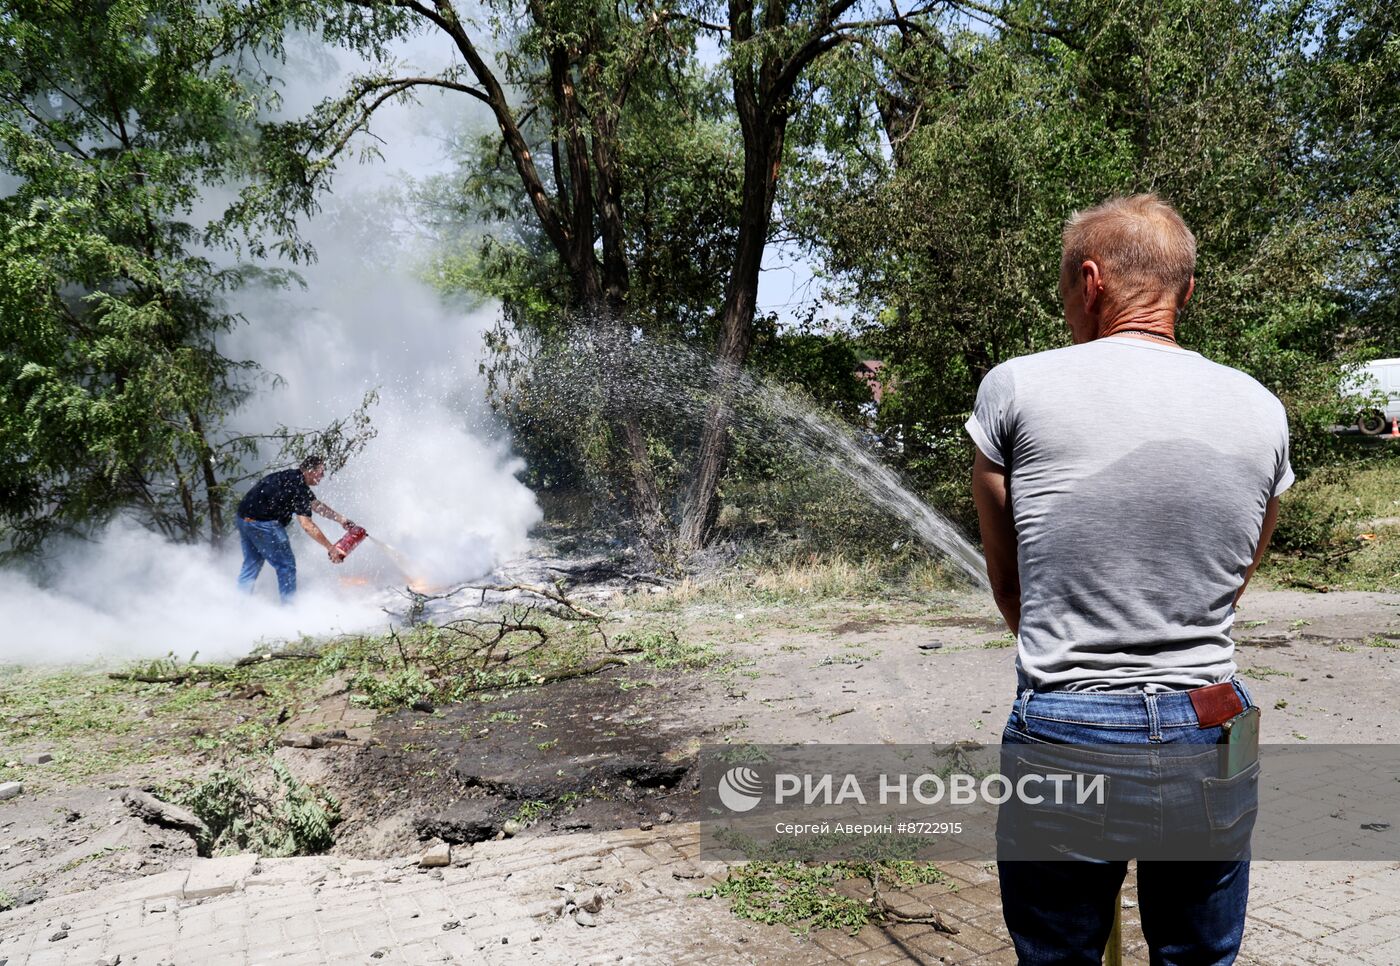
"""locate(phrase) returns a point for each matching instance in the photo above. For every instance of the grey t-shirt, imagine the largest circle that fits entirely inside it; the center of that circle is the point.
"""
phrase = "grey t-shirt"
(1139, 475)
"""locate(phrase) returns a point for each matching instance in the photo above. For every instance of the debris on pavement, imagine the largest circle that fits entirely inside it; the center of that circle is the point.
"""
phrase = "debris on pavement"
(436, 856)
(302, 741)
(148, 808)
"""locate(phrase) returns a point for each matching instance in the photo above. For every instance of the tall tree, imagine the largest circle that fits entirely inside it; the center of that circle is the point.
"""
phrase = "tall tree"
(1351, 76)
(557, 94)
(568, 69)
(113, 114)
(950, 239)
(679, 170)
(771, 48)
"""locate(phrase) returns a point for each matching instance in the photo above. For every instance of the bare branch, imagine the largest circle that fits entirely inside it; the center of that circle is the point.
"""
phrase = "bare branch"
(889, 912)
(702, 24)
(407, 82)
(388, 89)
(539, 590)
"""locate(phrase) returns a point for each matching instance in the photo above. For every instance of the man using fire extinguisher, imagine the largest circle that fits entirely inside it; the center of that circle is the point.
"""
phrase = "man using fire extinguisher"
(263, 515)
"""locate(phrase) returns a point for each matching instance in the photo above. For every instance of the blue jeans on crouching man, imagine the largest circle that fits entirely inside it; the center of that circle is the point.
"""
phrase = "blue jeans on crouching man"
(267, 540)
(1061, 912)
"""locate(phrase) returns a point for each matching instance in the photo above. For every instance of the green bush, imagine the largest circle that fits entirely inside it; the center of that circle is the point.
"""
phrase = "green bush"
(294, 819)
(1310, 522)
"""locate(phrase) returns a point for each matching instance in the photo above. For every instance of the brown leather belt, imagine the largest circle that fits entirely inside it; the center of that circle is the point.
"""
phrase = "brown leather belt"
(1215, 704)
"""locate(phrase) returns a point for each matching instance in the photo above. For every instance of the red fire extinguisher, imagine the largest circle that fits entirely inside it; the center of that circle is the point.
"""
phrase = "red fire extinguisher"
(351, 540)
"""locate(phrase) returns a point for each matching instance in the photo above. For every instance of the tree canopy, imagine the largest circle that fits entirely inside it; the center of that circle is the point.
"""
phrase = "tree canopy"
(628, 167)
(113, 116)
(957, 155)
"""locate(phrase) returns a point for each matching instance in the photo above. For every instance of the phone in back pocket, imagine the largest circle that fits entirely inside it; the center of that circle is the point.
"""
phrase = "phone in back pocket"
(1239, 737)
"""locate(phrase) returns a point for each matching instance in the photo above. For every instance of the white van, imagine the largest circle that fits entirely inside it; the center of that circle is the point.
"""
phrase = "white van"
(1382, 375)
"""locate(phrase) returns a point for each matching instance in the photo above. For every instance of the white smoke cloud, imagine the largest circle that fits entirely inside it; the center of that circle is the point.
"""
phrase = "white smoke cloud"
(133, 594)
(438, 482)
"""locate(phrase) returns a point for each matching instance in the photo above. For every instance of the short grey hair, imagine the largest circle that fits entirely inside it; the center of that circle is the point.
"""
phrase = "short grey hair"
(1140, 242)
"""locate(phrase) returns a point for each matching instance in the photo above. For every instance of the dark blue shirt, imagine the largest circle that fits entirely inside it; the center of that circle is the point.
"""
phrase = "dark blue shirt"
(277, 496)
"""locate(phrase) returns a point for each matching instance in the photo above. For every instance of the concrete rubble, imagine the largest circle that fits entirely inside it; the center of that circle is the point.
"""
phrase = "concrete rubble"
(436, 856)
(319, 909)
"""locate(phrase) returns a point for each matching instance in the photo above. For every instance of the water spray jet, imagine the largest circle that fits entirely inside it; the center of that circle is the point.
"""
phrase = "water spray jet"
(682, 385)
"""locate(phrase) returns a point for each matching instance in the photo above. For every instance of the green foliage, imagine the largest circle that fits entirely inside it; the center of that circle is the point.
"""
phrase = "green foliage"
(398, 689)
(805, 897)
(1310, 522)
(818, 361)
(1337, 530)
(95, 723)
(1232, 110)
(928, 164)
(462, 659)
(664, 650)
(787, 507)
(115, 117)
(532, 811)
(676, 169)
(292, 818)
(115, 388)
(160, 667)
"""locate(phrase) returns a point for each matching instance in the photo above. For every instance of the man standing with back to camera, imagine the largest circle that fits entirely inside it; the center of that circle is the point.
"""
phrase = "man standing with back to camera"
(1126, 490)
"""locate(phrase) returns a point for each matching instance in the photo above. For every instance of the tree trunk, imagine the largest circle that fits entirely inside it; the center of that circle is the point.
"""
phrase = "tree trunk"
(191, 518)
(763, 134)
(763, 89)
(646, 499)
(212, 494)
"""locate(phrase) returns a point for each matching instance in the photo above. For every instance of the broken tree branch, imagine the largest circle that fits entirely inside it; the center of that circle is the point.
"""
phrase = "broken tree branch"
(275, 656)
(548, 593)
(892, 914)
(150, 678)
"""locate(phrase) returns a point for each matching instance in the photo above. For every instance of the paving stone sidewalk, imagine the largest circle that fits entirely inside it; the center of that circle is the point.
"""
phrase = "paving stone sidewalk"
(503, 906)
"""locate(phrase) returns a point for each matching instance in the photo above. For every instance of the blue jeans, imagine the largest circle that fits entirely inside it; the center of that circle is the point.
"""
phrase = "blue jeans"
(267, 540)
(1061, 912)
